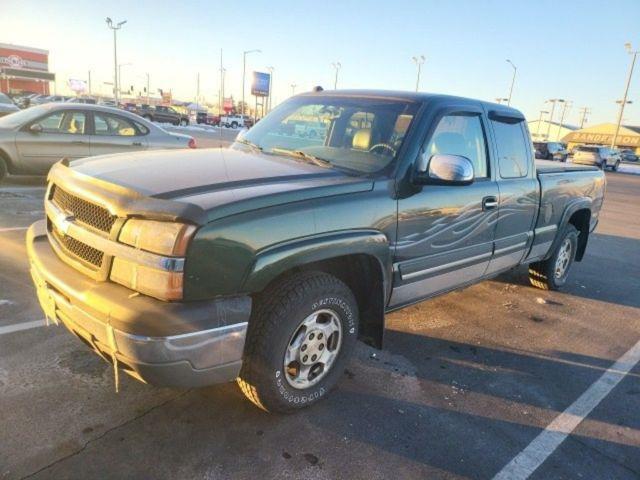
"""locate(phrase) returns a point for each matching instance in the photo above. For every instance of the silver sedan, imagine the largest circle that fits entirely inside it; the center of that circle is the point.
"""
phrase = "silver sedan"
(32, 140)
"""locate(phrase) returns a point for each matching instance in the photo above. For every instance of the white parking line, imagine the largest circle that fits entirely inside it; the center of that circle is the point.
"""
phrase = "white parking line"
(22, 326)
(527, 461)
(12, 229)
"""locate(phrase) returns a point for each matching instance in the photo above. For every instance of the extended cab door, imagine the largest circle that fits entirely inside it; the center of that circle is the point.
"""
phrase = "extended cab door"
(114, 133)
(445, 232)
(519, 196)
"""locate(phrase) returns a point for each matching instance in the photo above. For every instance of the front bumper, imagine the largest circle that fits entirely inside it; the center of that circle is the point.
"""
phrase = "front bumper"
(168, 344)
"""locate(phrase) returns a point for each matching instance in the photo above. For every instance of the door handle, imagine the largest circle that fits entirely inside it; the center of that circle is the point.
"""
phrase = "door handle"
(137, 144)
(489, 203)
(78, 142)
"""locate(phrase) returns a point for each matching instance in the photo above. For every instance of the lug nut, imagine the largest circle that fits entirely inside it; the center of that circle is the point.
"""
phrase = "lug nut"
(321, 346)
(305, 358)
(311, 335)
(313, 358)
(304, 347)
(319, 336)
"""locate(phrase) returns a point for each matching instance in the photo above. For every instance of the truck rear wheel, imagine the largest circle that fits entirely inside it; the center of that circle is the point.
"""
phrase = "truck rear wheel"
(551, 274)
(301, 334)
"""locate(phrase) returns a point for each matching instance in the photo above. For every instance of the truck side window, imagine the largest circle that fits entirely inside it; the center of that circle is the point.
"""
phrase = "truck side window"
(460, 135)
(512, 150)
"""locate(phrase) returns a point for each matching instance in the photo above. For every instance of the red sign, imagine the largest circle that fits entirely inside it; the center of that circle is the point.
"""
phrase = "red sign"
(227, 104)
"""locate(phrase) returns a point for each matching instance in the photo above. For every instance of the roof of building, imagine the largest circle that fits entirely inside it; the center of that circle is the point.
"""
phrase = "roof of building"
(564, 125)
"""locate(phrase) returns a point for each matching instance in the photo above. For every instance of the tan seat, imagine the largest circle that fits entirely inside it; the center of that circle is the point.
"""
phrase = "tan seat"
(362, 139)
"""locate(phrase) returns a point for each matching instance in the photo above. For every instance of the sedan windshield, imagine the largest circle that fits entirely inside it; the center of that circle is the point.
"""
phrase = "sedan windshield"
(361, 135)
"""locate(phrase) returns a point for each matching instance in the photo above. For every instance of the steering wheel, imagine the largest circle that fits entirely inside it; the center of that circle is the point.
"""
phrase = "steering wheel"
(384, 146)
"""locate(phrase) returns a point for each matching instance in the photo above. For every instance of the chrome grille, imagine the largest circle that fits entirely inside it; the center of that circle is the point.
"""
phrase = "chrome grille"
(76, 248)
(84, 212)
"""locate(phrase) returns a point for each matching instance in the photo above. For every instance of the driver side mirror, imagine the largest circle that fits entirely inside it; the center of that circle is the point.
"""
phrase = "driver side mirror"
(445, 169)
(35, 128)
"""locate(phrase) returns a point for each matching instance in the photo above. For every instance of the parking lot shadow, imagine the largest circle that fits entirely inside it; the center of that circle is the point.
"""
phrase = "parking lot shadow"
(594, 276)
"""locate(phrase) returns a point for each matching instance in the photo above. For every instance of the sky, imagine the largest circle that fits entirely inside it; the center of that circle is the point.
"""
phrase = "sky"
(562, 49)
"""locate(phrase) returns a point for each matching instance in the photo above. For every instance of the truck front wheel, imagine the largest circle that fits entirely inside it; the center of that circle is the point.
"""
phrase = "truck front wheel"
(551, 274)
(300, 336)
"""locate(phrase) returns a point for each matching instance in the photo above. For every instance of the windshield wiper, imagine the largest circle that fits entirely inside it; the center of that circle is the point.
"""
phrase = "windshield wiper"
(244, 141)
(321, 162)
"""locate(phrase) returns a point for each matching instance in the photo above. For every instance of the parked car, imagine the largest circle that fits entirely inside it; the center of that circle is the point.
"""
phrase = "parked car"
(85, 100)
(551, 151)
(7, 105)
(130, 107)
(163, 114)
(629, 156)
(32, 140)
(602, 157)
(266, 261)
(233, 121)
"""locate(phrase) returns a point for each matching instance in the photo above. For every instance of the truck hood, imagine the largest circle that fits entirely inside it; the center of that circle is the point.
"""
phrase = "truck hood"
(220, 181)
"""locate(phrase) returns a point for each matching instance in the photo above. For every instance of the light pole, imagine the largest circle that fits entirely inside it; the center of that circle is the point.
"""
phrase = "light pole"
(513, 80)
(583, 118)
(244, 71)
(419, 61)
(270, 99)
(120, 65)
(337, 66)
(553, 102)
(564, 109)
(542, 112)
(293, 89)
(147, 89)
(115, 29)
(624, 101)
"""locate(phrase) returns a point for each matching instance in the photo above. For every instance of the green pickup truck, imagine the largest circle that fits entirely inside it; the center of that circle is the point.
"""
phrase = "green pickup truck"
(265, 262)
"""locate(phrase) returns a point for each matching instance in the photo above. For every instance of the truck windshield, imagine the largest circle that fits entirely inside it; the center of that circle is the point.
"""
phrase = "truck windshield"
(362, 135)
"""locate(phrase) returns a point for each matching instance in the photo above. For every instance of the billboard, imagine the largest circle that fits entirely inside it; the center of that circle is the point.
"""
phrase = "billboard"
(78, 86)
(227, 104)
(260, 85)
(24, 69)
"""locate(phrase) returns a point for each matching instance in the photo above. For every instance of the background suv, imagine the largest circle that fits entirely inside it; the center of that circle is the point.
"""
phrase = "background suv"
(603, 157)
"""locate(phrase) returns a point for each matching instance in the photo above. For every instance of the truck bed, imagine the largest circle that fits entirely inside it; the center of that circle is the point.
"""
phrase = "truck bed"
(547, 166)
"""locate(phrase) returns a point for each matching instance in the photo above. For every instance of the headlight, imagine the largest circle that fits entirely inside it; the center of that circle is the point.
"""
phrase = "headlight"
(163, 238)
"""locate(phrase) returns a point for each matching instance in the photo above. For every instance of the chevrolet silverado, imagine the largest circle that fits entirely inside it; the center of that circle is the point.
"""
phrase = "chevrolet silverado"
(266, 261)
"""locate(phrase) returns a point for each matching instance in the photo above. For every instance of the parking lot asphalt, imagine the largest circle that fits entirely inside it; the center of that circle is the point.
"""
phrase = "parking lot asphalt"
(464, 384)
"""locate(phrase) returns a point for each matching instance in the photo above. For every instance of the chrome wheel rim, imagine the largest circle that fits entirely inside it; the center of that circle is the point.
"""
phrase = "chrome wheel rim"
(313, 349)
(564, 258)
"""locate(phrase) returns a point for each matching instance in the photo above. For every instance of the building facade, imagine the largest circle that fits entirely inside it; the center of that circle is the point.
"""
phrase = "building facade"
(24, 69)
(545, 131)
(602, 134)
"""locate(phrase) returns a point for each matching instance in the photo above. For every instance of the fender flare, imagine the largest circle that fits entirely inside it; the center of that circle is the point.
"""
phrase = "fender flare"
(572, 207)
(277, 259)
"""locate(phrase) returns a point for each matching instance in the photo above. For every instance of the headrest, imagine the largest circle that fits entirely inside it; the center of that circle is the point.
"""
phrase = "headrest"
(362, 139)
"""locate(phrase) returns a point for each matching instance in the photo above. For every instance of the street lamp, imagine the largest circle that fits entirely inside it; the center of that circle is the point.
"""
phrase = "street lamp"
(293, 88)
(120, 65)
(553, 102)
(337, 66)
(513, 80)
(419, 61)
(115, 29)
(624, 101)
(244, 71)
(542, 112)
(270, 99)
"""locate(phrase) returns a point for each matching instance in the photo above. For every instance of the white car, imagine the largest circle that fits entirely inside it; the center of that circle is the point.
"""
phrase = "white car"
(233, 121)
(603, 157)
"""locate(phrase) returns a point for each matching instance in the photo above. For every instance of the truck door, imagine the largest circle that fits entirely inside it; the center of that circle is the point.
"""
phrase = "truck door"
(445, 232)
(519, 196)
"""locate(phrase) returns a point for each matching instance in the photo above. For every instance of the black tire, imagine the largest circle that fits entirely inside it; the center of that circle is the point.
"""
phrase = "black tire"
(3, 169)
(234, 125)
(277, 315)
(148, 117)
(184, 122)
(615, 166)
(543, 274)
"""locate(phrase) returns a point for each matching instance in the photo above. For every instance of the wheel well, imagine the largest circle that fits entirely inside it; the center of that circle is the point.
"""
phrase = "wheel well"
(363, 275)
(581, 219)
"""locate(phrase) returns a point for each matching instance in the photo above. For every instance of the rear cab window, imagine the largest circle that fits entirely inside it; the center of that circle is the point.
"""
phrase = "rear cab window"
(513, 149)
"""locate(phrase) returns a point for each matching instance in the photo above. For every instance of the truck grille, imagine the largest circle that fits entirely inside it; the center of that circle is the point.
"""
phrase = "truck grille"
(84, 212)
(78, 249)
